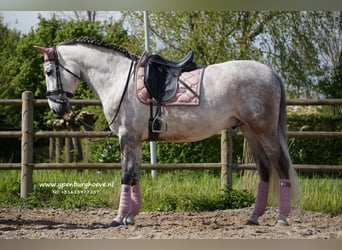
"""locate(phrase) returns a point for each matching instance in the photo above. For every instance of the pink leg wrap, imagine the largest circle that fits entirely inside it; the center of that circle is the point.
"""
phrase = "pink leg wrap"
(125, 200)
(136, 199)
(261, 199)
(285, 197)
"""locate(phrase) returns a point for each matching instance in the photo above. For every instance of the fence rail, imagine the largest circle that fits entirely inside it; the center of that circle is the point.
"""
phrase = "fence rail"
(103, 134)
(226, 165)
(91, 102)
(162, 166)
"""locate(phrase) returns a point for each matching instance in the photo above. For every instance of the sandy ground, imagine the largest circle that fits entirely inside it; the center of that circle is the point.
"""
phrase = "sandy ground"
(22, 223)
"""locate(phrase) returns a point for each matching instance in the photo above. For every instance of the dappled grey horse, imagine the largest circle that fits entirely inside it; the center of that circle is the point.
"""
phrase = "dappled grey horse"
(243, 94)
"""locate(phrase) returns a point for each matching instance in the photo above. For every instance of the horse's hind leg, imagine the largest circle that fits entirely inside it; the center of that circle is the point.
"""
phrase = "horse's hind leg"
(268, 152)
(261, 161)
(282, 169)
(280, 161)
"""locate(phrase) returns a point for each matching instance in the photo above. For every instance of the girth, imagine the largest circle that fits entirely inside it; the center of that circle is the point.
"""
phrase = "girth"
(161, 82)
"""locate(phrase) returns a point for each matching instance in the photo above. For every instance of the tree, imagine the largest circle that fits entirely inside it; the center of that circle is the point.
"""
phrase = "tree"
(215, 36)
(8, 40)
(89, 15)
(331, 83)
(303, 47)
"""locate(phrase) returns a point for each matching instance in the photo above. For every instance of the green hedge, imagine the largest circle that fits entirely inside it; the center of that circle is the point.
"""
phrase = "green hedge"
(205, 151)
(311, 150)
(302, 150)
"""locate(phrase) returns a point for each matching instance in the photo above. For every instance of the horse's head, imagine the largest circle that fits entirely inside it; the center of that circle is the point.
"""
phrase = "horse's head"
(61, 78)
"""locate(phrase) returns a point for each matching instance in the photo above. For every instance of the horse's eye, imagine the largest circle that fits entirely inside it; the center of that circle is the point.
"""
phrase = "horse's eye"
(48, 72)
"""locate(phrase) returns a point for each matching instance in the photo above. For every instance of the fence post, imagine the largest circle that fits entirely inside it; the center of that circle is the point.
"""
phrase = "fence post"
(51, 148)
(226, 159)
(26, 144)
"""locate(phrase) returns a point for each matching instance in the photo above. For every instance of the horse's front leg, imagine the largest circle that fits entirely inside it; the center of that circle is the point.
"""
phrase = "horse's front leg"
(130, 198)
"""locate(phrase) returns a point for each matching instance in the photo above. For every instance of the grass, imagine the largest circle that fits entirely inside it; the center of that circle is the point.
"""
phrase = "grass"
(190, 191)
(171, 191)
(320, 192)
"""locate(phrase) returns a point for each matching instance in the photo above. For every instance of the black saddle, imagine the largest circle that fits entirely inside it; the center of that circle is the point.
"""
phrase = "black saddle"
(182, 63)
(161, 81)
(161, 75)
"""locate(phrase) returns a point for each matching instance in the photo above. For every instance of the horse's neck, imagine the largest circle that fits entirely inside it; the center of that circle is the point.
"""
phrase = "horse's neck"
(106, 73)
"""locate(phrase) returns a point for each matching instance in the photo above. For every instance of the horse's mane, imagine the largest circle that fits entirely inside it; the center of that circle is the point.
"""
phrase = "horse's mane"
(101, 44)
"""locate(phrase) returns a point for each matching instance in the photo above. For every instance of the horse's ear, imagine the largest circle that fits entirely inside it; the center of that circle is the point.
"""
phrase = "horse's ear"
(47, 51)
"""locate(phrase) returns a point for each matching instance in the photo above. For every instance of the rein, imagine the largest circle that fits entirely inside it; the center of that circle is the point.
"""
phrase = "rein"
(123, 95)
(120, 103)
(116, 113)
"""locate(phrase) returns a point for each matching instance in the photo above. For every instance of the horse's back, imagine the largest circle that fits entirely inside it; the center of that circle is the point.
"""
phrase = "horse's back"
(250, 90)
(240, 81)
(241, 72)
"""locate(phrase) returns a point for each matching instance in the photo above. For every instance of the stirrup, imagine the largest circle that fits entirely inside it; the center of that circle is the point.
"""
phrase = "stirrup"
(159, 125)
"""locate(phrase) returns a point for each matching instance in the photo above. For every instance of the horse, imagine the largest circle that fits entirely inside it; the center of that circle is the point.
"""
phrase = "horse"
(242, 94)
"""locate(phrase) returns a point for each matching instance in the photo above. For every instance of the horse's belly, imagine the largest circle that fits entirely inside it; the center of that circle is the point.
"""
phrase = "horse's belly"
(179, 130)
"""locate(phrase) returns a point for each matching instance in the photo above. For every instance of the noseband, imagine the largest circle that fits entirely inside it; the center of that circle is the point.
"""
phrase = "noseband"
(59, 91)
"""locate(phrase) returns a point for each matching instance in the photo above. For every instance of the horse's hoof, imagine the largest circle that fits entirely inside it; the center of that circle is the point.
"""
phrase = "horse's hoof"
(129, 220)
(252, 223)
(115, 224)
(122, 221)
(118, 221)
(282, 221)
(253, 220)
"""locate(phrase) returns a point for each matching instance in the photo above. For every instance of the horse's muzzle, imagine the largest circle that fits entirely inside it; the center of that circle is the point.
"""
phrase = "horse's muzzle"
(60, 105)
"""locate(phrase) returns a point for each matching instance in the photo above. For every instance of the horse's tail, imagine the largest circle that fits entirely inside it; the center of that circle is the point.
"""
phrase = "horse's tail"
(282, 135)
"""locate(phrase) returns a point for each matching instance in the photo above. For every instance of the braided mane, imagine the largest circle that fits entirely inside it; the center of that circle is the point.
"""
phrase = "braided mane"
(101, 44)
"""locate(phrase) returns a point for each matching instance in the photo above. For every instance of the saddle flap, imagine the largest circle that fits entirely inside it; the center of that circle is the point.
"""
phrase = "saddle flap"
(161, 75)
(155, 78)
(160, 80)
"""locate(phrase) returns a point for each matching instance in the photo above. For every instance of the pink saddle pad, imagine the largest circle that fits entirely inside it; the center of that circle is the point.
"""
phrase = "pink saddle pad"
(183, 95)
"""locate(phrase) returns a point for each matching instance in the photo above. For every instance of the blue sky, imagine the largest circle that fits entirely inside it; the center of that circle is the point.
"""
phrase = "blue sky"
(22, 20)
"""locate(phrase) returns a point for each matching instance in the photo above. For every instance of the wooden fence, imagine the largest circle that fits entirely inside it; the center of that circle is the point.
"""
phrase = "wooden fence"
(226, 165)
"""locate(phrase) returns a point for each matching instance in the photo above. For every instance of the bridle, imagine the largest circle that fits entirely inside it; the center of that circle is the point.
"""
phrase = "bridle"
(59, 91)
